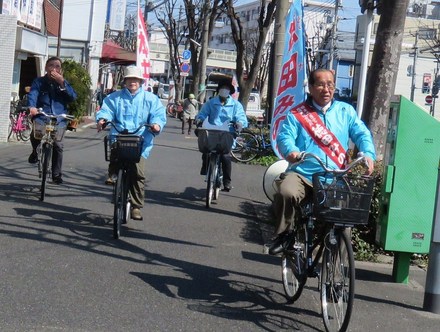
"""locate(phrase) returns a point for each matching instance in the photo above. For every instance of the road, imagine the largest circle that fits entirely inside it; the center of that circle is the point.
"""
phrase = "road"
(183, 268)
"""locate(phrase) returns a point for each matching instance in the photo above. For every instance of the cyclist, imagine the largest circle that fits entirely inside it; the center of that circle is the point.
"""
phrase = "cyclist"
(218, 110)
(129, 108)
(52, 93)
(322, 126)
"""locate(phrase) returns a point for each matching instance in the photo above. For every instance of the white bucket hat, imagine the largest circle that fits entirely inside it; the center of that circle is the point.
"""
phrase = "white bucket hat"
(133, 71)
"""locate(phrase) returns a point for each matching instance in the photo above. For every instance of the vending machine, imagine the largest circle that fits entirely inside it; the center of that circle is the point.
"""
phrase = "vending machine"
(411, 163)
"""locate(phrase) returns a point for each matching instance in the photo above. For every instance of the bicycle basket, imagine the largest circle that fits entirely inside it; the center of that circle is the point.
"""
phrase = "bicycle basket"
(345, 199)
(59, 131)
(126, 148)
(39, 126)
(215, 140)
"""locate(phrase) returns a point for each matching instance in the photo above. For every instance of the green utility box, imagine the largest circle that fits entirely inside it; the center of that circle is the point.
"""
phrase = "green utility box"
(411, 164)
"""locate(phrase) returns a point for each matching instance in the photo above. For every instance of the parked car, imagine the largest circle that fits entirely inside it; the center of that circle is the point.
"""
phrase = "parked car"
(163, 91)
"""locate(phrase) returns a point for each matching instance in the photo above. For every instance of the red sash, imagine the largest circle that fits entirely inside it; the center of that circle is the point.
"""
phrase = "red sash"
(325, 139)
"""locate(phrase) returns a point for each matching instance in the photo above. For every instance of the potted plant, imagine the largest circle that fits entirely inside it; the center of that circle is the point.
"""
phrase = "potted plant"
(80, 80)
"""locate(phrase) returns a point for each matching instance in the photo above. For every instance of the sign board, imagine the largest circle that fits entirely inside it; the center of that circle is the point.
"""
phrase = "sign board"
(183, 74)
(428, 99)
(186, 55)
(185, 67)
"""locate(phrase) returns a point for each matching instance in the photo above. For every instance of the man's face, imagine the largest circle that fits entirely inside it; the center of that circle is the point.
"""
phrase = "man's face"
(323, 89)
(133, 84)
(53, 65)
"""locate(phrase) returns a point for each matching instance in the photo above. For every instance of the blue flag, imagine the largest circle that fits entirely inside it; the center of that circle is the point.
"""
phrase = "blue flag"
(291, 90)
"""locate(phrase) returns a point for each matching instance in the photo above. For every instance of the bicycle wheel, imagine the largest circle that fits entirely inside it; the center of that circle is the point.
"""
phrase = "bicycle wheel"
(293, 266)
(246, 147)
(25, 134)
(11, 125)
(218, 178)
(119, 205)
(46, 154)
(210, 183)
(337, 281)
(171, 110)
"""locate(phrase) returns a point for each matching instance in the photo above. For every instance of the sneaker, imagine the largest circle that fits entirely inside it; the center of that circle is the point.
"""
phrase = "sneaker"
(33, 157)
(57, 179)
(109, 181)
(136, 214)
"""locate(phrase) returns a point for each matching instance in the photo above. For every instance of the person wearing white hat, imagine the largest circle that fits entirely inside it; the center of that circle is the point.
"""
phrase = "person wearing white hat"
(129, 108)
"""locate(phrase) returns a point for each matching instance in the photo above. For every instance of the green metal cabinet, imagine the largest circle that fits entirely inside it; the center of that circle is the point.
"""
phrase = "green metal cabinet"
(411, 164)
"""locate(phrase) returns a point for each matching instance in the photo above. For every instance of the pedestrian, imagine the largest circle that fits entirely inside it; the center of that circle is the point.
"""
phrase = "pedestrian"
(218, 110)
(128, 109)
(52, 93)
(300, 133)
(190, 109)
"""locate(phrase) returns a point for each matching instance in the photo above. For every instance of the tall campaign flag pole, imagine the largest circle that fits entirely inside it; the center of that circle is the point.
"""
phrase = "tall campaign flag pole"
(291, 84)
(142, 48)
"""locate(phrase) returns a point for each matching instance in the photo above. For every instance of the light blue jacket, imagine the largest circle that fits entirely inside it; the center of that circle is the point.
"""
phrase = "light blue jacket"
(218, 114)
(342, 120)
(129, 112)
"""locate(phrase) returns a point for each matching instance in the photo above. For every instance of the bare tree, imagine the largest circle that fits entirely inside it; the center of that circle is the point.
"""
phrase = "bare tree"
(248, 65)
(382, 73)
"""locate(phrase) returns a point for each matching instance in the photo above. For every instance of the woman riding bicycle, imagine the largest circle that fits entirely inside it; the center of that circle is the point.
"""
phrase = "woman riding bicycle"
(322, 126)
(129, 108)
(218, 110)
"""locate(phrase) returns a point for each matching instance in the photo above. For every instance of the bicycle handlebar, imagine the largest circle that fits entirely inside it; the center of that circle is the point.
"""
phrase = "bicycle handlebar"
(50, 116)
(125, 131)
(305, 155)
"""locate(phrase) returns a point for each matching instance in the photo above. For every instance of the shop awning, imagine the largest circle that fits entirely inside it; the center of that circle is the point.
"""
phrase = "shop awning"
(112, 52)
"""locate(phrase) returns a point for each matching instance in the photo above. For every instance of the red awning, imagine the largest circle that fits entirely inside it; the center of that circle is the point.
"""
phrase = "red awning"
(112, 52)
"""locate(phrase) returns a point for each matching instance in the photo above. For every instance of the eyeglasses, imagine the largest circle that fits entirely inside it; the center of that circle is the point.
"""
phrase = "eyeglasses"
(322, 86)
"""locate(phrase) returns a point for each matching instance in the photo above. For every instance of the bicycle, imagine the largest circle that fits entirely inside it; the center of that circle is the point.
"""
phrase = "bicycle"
(48, 129)
(19, 122)
(174, 110)
(125, 149)
(250, 145)
(214, 142)
(340, 201)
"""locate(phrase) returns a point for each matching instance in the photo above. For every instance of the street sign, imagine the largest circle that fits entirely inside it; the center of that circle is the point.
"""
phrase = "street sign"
(184, 74)
(186, 55)
(185, 67)
(428, 99)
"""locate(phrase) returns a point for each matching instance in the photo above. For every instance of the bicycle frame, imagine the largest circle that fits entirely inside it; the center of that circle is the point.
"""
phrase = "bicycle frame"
(214, 176)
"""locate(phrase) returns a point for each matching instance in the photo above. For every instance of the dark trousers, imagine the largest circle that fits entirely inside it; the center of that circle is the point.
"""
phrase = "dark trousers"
(57, 155)
(226, 166)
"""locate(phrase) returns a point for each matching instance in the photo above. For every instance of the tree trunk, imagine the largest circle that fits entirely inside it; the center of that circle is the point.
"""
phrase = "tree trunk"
(382, 73)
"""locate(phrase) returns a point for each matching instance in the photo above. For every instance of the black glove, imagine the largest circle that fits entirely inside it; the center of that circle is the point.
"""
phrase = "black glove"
(198, 123)
(238, 126)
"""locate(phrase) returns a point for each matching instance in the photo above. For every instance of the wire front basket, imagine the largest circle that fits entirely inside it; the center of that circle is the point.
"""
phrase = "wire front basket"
(214, 140)
(342, 199)
(123, 148)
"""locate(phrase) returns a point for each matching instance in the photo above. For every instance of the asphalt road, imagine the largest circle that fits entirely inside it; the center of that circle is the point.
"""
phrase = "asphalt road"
(183, 268)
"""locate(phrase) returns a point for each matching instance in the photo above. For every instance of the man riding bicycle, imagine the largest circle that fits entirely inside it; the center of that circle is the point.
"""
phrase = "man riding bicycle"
(129, 108)
(218, 110)
(322, 126)
(52, 93)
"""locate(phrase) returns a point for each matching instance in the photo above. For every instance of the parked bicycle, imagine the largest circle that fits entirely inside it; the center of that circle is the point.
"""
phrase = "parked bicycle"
(341, 200)
(19, 122)
(125, 149)
(214, 141)
(250, 145)
(175, 110)
(49, 129)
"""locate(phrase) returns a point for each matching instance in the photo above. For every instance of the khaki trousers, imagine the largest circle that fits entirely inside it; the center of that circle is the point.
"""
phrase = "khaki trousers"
(293, 188)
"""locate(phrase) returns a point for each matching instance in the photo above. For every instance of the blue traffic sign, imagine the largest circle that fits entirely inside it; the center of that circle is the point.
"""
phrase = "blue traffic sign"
(185, 67)
(186, 55)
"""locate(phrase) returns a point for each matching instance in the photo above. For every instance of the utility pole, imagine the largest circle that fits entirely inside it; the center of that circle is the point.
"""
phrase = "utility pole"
(60, 27)
(413, 72)
(333, 36)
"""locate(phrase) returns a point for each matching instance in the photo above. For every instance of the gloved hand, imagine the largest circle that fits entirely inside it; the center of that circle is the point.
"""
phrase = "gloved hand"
(238, 126)
(198, 123)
